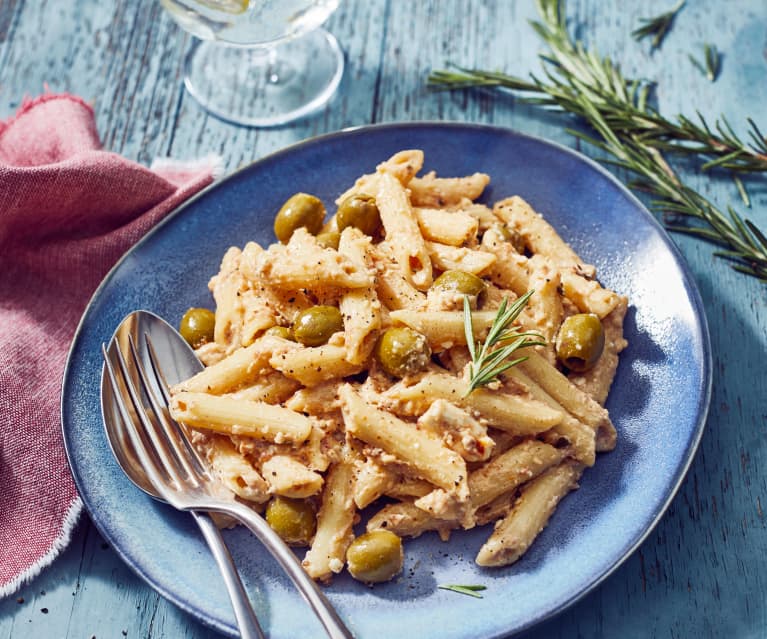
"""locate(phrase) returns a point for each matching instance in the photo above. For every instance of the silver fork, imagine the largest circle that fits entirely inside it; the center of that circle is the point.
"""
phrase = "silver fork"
(182, 479)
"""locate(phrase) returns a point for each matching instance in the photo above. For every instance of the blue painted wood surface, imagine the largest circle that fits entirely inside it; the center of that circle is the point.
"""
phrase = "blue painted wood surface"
(703, 571)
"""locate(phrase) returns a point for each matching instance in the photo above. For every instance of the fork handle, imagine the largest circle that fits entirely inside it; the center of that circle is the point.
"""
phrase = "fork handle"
(310, 591)
(243, 611)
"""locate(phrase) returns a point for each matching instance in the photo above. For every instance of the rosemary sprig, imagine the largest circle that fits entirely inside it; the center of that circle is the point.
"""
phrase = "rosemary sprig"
(658, 26)
(471, 590)
(487, 361)
(581, 82)
(712, 59)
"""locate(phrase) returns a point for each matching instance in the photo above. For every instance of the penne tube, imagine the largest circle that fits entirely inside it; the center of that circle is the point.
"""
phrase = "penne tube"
(227, 287)
(572, 398)
(272, 387)
(360, 308)
(241, 368)
(424, 452)
(453, 228)
(544, 312)
(510, 270)
(405, 519)
(587, 294)
(235, 471)
(459, 258)
(518, 414)
(407, 487)
(402, 232)
(290, 478)
(240, 417)
(402, 165)
(392, 287)
(537, 234)
(437, 192)
(444, 329)
(335, 519)
(514, 534)
(314, 365)
(580, 437)
(510, 470)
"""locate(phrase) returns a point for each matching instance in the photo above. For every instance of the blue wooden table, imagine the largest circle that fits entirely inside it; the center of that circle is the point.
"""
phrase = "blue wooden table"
(703, 571)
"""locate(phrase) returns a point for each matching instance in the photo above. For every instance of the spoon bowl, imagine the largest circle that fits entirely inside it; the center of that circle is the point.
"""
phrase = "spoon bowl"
(179, 363)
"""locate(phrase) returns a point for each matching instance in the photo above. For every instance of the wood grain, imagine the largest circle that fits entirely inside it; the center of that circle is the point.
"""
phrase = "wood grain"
(703, 571)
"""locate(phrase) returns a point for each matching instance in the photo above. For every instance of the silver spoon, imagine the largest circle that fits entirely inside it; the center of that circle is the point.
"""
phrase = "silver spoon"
(179, 363)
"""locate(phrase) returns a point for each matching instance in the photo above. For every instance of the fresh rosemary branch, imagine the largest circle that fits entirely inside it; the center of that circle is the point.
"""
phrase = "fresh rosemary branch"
(487, 361)
(581, 82)
(574, 75)
(712, 60)
(471, 590)
(658, 26)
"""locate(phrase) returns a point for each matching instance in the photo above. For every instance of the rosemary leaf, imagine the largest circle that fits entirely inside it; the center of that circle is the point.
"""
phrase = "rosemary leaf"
(658, 26)
(742, 190)
(712, 60)
(471, 590)
(490, 359)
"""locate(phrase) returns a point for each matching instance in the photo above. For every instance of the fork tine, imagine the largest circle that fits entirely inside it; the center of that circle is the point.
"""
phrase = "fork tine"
(147, 462)
(175, 463)
(177, 431)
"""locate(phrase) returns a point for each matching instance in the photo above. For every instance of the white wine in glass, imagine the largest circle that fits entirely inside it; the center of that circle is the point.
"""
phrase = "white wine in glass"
(260, 62)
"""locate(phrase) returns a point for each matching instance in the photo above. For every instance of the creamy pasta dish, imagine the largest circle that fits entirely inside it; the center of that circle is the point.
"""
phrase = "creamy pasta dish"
(350, 366)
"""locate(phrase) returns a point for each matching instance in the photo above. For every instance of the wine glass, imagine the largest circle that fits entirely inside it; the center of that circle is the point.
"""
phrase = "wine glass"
(260, 62)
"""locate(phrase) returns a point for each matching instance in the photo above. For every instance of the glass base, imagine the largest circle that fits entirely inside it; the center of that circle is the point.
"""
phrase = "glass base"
(265, 86)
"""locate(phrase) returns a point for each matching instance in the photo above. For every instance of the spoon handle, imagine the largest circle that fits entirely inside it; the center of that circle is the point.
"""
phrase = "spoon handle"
(334, 626)
(243, 611)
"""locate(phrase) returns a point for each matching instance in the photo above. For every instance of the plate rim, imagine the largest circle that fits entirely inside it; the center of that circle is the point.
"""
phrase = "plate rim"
(689, 284)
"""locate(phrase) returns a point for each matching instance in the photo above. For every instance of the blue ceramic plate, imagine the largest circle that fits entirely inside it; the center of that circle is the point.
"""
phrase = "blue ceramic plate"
(658, 402)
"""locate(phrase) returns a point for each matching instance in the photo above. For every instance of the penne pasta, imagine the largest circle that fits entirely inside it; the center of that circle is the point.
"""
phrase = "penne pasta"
(334, 524)
(402, 232)
(424, 452)
(240, 417)
(433, 191)
(455, 229)
(380, 396)
(529, 516)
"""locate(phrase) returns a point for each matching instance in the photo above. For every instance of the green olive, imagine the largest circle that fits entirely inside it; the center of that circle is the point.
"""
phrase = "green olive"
(580, 341)
(329, 239)
(375, 556)
(292, 519)
(197, 326)
(360, 211)
(315, 325)
(460, 282)
(300, 210)
(280, 331)
(402, 351)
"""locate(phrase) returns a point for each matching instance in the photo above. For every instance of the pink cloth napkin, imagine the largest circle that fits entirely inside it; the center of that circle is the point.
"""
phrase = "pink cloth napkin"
(68, 211)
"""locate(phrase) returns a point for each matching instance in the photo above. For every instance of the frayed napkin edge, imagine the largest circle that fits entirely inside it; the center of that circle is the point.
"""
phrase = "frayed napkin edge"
(28, 104)
(212, 162)
(71, 518)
